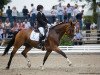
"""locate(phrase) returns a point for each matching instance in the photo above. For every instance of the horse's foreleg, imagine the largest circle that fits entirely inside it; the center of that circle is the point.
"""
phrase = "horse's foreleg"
(45, 58)
(24, 53)
(64, 55)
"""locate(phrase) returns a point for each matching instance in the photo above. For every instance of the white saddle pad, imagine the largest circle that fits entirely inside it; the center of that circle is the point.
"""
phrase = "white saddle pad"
(34, 36)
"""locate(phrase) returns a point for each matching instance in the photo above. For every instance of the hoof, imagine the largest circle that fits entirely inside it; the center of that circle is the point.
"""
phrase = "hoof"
(41, 67)
(3, 54)
(29, 65)
(7, 68)
(70, 64)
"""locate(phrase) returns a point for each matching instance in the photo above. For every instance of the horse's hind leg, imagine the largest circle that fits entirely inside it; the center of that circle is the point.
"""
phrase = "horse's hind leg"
(17, 45)
(11, 56)
(64, 55)
(24, 53)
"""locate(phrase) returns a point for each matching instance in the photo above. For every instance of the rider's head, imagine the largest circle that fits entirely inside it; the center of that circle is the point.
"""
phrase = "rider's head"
(40, 8)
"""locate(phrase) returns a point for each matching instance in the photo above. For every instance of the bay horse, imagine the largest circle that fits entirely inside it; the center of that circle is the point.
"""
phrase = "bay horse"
(51, 44)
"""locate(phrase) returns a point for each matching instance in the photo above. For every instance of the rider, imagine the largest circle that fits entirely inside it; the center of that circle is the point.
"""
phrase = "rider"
(42, 24)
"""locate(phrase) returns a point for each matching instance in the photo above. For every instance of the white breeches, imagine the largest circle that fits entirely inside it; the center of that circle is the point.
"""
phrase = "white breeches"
(41, 29)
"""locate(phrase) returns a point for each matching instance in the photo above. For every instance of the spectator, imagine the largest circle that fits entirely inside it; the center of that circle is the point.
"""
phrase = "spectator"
(93, 26)
(53, 14)
(20, 25)
(7, 27)
(76, 10)
(69, 11)
(65, 14)
(1, 24)
(1, 14)
(9, 13)
(98, 15)
(60, 13)
(88, 24)
(1, 29)
(79, 18)
(98, 20)
(14, 13)
(15, 27)
(33, 15)
(77, 38)
(77, 25)
(25, 12)
(12, 30)
(26, 24)
(55, 23)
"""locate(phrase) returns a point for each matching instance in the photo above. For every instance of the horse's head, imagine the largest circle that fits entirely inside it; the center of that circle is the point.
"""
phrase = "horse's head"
(62, 28)
(70, 29)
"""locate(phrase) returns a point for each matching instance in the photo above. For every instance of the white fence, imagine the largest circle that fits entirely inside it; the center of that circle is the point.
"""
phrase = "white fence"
(91, 36)
(66, 49)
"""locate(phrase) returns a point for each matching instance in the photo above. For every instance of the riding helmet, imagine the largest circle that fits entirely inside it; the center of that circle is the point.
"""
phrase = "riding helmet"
(39, 7)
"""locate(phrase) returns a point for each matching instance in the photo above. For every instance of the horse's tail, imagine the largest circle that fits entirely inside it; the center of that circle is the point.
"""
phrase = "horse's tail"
(10, 44)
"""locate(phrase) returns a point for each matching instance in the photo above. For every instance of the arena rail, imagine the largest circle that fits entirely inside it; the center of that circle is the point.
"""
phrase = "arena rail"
(66, 49)
(91, 36)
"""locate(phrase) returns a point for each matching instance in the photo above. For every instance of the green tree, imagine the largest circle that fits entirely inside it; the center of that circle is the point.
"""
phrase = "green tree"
(3, 2)
(93, 7)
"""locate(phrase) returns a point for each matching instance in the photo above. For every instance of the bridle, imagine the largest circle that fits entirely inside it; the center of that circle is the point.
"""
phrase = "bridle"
(69, 30)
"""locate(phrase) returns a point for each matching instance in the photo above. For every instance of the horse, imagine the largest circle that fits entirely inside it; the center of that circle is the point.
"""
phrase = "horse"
(51, 44)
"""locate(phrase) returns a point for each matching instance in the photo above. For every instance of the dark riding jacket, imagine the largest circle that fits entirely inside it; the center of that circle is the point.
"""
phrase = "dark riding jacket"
(41, 19)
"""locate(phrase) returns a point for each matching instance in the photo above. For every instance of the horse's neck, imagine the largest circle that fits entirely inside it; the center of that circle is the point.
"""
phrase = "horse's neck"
(59, 31)
(60, 34)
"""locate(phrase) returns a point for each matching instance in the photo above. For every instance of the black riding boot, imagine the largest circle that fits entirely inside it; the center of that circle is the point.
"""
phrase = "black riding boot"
(41, 42)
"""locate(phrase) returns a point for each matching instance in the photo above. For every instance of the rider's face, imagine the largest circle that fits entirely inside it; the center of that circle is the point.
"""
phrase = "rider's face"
(41, 10)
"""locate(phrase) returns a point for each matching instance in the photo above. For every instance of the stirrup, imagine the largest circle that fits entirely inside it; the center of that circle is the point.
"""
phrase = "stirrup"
(39, 46)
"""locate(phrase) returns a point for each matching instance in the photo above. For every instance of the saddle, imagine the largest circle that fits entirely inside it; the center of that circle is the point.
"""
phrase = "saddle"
(36, 36)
